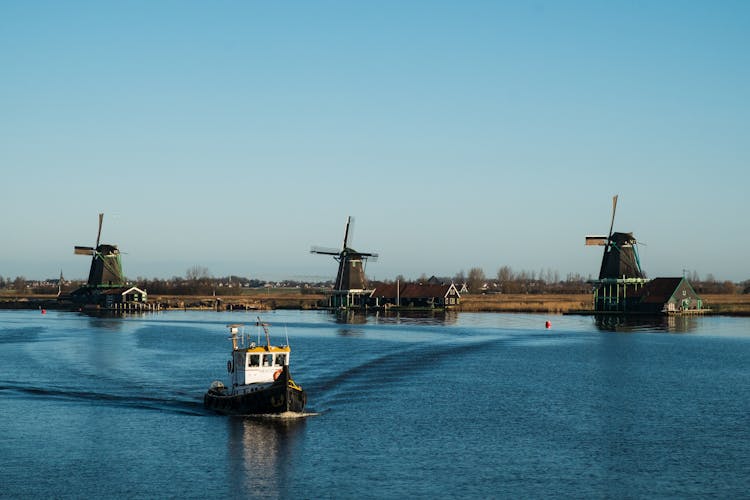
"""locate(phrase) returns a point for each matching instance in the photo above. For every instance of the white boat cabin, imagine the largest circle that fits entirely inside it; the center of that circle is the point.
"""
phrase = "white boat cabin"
(252, 363)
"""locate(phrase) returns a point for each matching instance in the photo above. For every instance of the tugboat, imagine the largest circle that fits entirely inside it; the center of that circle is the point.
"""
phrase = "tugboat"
(260, 380)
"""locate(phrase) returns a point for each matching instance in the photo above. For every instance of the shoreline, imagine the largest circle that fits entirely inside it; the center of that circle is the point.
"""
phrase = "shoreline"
(719, 304)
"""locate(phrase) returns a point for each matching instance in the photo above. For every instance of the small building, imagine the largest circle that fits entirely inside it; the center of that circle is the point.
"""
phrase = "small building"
(668, 295)
(121, 298)
(415, 295)
(116, 297)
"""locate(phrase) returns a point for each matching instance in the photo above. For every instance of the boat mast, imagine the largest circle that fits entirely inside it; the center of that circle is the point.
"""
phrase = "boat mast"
(265, 330)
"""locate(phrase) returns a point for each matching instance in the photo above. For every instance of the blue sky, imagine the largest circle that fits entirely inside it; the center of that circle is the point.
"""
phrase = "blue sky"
(235, 135)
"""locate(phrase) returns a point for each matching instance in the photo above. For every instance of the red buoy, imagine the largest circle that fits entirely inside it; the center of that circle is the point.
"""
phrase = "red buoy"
(44, 311)
(548, 324)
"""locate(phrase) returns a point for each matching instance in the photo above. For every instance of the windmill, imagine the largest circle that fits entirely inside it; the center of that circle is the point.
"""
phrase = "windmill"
(351, 274)
(106, 267)
(620, 259)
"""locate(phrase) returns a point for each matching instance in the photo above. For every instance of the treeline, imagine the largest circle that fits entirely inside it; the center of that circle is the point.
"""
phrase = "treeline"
(197, 286)
(509, 281)
(228, 285)
(198, 281)
(177, 285)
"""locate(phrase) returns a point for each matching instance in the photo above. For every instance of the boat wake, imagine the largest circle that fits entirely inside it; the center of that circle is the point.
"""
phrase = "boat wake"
(287, 415)
(162, 404)
(373, 378)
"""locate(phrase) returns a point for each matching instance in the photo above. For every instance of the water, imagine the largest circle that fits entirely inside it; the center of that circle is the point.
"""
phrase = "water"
(482, 405)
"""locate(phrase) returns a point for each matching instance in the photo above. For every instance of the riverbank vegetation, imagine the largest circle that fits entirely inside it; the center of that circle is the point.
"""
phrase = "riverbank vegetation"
(508, 291)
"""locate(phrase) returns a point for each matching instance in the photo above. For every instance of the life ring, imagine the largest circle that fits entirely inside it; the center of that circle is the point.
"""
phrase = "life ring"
(229, 366)
(276, 374)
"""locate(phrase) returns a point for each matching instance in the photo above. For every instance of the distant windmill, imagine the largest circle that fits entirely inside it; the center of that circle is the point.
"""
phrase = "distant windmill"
(351, 274)
(620, 259)
(106, 267)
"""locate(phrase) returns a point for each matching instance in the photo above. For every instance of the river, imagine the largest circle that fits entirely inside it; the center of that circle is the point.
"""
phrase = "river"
(458, 405)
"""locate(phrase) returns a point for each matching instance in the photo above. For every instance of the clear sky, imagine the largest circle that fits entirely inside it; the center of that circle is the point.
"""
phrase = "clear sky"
(235, 135)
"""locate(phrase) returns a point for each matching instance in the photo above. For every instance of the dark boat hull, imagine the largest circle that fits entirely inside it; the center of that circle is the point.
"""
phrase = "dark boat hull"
(280, 397)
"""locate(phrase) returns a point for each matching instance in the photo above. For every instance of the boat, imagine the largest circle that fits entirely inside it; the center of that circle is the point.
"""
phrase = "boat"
(261, 383)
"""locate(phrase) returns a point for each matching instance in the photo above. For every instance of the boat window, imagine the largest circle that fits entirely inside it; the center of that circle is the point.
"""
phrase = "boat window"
(280, 359)
(253, 360)
(267, 359)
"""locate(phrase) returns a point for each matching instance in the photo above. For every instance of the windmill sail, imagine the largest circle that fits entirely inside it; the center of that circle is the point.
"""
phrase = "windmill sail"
(351, 271)
(106, 266)
(620, 258)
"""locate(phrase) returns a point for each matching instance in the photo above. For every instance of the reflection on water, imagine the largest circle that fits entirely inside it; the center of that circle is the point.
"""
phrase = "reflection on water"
(432, 317)
(436, 317)
(113, 319)
(350, 317)
(258, 454)
(629, 323)
(104, 322)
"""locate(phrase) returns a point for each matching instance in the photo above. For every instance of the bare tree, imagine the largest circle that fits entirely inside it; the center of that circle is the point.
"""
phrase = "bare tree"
(196, 273)
(476, 279)
(19, 284)
(505, 274)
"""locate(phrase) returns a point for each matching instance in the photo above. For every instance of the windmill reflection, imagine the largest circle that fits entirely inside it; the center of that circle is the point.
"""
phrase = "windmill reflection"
(429, 317)
(645, 323)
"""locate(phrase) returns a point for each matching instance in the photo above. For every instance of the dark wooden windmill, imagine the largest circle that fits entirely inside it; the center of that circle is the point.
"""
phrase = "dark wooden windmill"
(620, 259)
(620, 275)
(350, 286)
(106, 266)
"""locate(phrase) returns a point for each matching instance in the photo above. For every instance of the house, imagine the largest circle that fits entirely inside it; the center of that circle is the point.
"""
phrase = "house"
(116, 298)
(122, 295)
(415, 295)
(667, 295)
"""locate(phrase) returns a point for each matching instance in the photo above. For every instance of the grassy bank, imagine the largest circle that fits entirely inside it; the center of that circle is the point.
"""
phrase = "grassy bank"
(552, 303)
(728, 304)
(292, 298)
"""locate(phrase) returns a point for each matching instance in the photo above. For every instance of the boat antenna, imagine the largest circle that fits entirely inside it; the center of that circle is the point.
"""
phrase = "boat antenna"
(286, 334)
(265, 330)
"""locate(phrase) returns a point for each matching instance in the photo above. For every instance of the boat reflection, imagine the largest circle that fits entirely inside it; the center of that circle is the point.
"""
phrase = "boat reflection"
(259, 451)
(632, 323)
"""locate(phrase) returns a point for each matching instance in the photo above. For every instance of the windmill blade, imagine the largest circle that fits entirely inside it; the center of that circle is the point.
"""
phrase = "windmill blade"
(325, 251)
(614, 209)
(596, 240)
(349, 229)
(371, 256)
(83, 250)
(99, 233)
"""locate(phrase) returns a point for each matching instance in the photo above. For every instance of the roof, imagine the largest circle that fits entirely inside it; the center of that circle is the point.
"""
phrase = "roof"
(385, 290)
(121, 290)
(658, 290)
(412, 290)
(418, 291)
